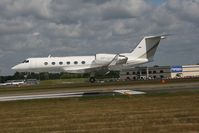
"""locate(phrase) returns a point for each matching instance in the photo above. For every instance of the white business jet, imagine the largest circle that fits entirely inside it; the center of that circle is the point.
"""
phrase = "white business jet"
(143, 53)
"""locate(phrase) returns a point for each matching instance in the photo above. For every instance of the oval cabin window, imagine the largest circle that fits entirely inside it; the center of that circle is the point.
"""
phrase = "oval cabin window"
(60, 63)
(83, 62)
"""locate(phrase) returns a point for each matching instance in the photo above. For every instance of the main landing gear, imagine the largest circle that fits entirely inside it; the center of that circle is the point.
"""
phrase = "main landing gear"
(92, 79)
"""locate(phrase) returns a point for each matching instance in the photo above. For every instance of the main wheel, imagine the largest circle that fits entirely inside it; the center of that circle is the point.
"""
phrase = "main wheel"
(92, 79)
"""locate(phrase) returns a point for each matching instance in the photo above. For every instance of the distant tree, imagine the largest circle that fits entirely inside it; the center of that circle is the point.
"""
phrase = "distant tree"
(18, 75)
(155, 66)
(44, 76)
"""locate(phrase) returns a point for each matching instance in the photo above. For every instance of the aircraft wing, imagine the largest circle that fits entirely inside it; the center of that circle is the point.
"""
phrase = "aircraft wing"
(86, 69)
(115, 62)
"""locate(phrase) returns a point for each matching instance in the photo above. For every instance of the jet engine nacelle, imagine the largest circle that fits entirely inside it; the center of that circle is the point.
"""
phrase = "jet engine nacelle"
(104, 58)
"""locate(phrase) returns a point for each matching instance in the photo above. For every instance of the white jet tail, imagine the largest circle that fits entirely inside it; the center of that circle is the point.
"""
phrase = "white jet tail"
(146, 48)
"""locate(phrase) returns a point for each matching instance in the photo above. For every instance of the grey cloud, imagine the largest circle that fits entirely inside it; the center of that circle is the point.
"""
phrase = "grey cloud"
(95, 1)
(61, 30)
(14, 26)
(187, 10)
(77, 10)
(24, 8)
(117, 9)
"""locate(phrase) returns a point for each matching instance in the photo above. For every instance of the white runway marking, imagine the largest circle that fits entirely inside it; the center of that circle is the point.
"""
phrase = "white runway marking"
(42, 96)
(70, 94)
(130, 92)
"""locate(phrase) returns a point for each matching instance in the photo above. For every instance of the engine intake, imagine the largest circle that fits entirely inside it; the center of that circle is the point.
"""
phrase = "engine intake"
(104, 58)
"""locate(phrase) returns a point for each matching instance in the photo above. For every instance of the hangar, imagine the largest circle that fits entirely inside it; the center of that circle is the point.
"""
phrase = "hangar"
(159, 72)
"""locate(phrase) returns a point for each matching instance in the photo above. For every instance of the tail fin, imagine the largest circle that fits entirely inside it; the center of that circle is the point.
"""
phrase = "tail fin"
(147, 47)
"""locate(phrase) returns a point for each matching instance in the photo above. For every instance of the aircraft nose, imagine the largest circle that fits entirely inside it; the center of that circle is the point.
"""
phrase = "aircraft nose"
(18, 67)
(15, 67)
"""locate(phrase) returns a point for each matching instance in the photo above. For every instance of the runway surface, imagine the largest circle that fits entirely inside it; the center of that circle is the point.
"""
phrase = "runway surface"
(103, 91)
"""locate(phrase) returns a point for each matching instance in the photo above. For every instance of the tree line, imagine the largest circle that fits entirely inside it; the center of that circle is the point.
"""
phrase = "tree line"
(53, 76)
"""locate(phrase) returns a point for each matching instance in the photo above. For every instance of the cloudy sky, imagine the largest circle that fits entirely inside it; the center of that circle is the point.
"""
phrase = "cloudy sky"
(37, 28)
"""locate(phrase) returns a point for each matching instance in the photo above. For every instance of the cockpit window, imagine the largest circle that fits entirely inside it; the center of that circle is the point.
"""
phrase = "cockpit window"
(25, 61)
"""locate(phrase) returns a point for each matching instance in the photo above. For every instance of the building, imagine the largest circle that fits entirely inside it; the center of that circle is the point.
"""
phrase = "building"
(185, 71)
(159, 72)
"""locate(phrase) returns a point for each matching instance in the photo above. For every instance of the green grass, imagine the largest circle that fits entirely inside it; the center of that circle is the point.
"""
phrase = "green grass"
(64, 81)
(177, 112)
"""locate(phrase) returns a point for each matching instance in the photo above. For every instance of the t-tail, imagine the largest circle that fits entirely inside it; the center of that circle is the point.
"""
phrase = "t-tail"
(147, 47)
(145, 50)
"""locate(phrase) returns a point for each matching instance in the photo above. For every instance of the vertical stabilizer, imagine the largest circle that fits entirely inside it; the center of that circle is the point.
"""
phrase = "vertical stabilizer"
(147, 47)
